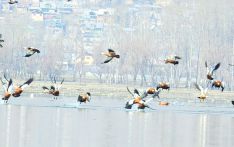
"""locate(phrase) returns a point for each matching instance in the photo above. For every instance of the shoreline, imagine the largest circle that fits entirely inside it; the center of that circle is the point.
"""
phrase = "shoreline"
(71, 89)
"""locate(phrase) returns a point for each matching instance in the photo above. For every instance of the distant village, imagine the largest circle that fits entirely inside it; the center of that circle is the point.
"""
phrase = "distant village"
(92, 21)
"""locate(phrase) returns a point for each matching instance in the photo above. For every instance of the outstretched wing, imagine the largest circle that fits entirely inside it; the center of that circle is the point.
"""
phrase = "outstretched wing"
(5, 77)
(130, 92)
(198, 87)
(110, 50)
(10, 86)
(26, 84)
(144, 95)
(206, 64)
(30, 53)
(215, 68)
(35, 50)
(136, 92)
(207, 68)
(205, 91)
(108, 59)
(60, 85)
(148, 100)
(79, 99)
(4, 85)
(177, 57)
(45, 88)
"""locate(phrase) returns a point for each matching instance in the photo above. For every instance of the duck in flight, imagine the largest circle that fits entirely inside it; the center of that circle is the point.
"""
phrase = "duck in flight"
(110, 54)
(8, 89)
(54, 89)
(173, 59)
(218, 84)
(84, 98)
(19, 89)
(31, 51)
(153, 91)
(138, 100)
(211, 70)
(203, 92)
(163, 86)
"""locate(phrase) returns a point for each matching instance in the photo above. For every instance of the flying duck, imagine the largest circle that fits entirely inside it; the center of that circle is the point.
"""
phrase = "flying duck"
(54, 89)
(12, 2)
(218, 84)
(211, 70)
(203, 94)
(84, 98)
(19, 89)
(110, 55)
(31, 51)
(153, 91)
(163, 85)
(138, 100)
(8, 88)
(173, 59)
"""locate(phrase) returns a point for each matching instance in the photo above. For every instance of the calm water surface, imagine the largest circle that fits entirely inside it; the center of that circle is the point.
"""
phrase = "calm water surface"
(92, 125)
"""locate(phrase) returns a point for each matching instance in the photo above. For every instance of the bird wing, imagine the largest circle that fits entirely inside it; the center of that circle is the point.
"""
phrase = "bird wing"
(148, 100)
(36, 50)
(207, 68)
(4, 75)
(26, 84)
(29, 53)
(206, 64)
(215, 68)
(45, 88)
(205, 91)
(10, 87)
(198, 87)
(108, 59)
(79, 99)
(144, 95)
(130, 92)
(55, 86)
(177, 57)
(136, 93)
(4, 85)
(111, 51)
(60, 85)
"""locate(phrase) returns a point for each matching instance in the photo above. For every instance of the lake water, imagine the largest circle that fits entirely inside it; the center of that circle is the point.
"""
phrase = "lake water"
(43, 122)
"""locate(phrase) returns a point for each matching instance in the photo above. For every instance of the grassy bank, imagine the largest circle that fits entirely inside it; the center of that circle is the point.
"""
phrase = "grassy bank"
(72, 89)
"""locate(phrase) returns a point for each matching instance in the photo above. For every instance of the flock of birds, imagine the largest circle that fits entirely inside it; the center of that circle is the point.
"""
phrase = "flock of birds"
(141, 100)
(138, 100)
